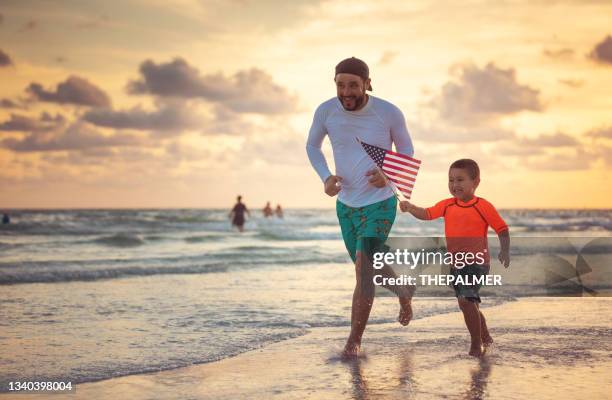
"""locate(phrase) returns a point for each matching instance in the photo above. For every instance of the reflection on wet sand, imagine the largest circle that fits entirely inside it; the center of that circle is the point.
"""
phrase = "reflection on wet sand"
(480, 378)
(370, 384)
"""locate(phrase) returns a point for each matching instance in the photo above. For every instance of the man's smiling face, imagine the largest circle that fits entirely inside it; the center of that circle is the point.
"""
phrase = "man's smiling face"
(351, 90)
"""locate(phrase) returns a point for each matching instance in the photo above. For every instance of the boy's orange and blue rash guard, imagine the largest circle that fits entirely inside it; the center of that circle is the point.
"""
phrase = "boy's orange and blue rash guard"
(467, 223)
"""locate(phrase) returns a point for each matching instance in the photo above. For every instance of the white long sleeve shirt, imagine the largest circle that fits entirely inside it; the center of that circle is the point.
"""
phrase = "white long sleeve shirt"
(378, 123)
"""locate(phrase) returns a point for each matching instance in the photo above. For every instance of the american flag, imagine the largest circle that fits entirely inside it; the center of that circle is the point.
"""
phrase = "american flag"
(399, 168)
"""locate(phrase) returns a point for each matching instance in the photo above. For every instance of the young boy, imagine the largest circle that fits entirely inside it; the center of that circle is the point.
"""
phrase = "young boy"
(466, 221)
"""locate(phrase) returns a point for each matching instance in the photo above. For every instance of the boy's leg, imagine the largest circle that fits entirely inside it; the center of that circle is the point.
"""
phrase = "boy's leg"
(469, 300)
(487, 340)
(471, 315)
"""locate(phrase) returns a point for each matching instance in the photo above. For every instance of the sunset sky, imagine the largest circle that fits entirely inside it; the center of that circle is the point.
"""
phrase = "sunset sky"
(187, 103)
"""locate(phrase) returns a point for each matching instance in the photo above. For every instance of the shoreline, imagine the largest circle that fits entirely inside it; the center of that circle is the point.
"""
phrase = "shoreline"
(424, 360)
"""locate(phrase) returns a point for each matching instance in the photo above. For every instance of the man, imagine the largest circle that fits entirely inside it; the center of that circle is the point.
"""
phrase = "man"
(366, 205)
(237, 214)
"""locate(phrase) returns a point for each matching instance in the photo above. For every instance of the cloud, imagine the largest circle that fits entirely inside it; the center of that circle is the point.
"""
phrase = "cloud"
(442, 132)
(574, 83)
(600, 133)
(563, 53)
(387, 57)
(93, 23)
(246, 91)
(605, 153)
(489, 92)
(8, 103)
(559, 151)
(603, 51)
(30, 25)
(78, 136)
(170, 117)
(577, 159)
(74, 90)
(537, 146)
(22, 123)
(227, 122)
(277, 149)
(552, 140)
(5, 60)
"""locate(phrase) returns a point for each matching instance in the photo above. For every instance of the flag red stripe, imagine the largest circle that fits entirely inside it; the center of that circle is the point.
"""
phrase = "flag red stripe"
(407, 185)
(411, 165)
(393, 173)
(414, 160)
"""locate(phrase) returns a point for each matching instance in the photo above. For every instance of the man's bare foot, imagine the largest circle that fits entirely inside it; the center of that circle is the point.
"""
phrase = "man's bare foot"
(487, 341)
(351, 349)
(405, 314)
(477, 350)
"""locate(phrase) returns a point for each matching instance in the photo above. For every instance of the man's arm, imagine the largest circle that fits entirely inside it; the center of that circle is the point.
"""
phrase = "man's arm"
(331, 183)
(399, 133)
(504, 242)
(313, 146)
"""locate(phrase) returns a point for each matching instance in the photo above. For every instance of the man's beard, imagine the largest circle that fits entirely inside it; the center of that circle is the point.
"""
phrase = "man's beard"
(358, 101)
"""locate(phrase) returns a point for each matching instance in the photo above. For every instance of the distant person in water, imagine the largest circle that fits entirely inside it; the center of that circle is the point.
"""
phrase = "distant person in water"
(237, 214)
(279, 211)
(267, 211)
(6, 219)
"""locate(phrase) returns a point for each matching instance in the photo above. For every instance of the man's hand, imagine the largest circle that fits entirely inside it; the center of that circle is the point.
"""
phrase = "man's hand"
(377, 178)
(332, 185)
(504, 258)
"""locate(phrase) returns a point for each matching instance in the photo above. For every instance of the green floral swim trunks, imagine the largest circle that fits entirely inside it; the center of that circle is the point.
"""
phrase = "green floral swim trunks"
(361, 223)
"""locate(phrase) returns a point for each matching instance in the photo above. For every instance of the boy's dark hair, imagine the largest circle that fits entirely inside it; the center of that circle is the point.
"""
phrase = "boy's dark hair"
(469, 165)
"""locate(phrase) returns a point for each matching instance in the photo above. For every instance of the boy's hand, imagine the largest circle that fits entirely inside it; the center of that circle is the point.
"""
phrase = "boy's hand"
(332, 185)
(504, 258)
(405, 205)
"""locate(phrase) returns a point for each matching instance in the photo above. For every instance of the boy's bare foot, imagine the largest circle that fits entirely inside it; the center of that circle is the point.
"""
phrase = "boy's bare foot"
(477, 350)
(405, 314)
(351, 349)
(487, 341)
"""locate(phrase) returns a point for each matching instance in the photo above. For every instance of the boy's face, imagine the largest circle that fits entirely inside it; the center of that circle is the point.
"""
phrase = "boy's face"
(461, 185)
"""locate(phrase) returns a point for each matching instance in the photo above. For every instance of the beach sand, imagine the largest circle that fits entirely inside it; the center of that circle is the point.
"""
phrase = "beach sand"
(545, 348)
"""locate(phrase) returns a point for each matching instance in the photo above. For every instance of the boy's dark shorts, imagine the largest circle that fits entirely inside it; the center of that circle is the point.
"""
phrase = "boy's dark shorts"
(469, 292)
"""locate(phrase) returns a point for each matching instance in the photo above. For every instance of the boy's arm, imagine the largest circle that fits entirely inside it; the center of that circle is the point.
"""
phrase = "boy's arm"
(417, 212)
(504, 242)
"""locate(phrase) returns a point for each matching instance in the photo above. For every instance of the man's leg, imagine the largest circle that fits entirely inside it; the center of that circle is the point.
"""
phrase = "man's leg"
(361, 305)
(360, 312)
(375, 224)
(403, 293)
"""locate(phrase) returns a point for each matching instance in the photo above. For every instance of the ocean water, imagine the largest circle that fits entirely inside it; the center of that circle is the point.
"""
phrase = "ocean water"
(92, 294)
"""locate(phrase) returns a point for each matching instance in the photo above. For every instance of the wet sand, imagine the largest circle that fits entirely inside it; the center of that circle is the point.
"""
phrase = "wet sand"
(545, 348)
